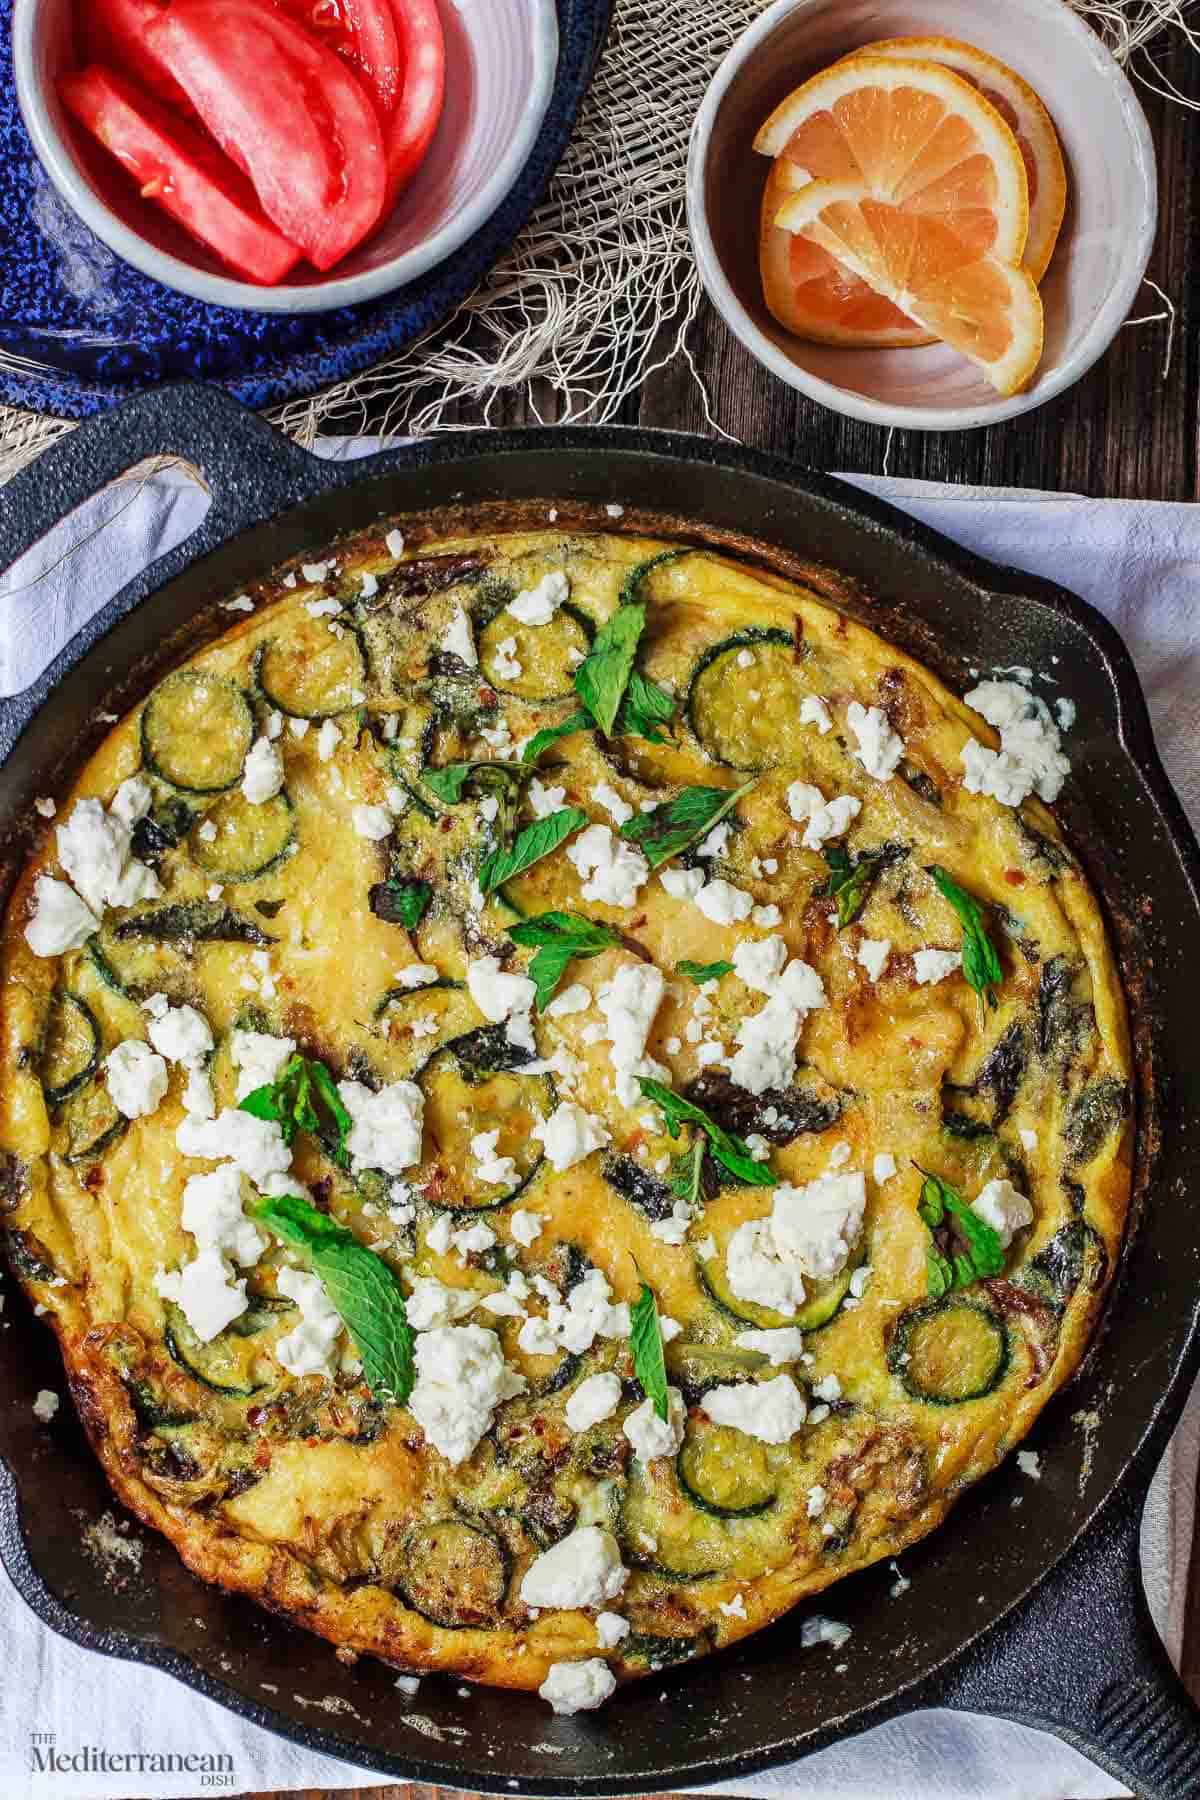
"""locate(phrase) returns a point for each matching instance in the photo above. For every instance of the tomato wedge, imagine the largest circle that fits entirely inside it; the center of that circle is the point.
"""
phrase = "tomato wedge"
(423, 56)
(180, 171)
(113, 33)
(363, 32)
(286, 109)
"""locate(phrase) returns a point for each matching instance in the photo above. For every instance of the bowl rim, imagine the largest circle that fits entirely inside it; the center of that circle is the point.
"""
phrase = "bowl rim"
(1090, 347)
(60, 165)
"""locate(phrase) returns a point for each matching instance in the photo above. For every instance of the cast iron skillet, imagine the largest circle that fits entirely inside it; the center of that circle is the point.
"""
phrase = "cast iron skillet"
(1036, 1614)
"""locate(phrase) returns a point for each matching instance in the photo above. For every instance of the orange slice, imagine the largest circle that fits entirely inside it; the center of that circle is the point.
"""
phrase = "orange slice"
(917, 187)
(1023, 113)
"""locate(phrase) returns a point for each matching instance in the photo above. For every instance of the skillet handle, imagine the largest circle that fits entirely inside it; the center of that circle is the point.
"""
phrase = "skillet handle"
(1082, 1658)
(251, 470)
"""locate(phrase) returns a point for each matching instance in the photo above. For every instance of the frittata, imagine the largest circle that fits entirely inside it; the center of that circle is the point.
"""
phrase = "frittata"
(560, 1095)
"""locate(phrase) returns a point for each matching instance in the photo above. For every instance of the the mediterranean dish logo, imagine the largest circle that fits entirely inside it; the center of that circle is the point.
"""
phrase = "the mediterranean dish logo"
(209, 1769)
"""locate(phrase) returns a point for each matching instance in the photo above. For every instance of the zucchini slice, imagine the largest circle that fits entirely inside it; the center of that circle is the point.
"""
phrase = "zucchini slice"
(250, 840)
(654, 1650)
(544, 653)
(93, 1123)
(475, 1084)
(665, 1533)
(455, 1575)
(230, 1364)
(311, 674)
(823, 1299)
(134, 968)
(695, 1368)
(445, 1003)
(724, 1472)
(734, 711)
(196, 730)
(949, 1350)
(70, 1048)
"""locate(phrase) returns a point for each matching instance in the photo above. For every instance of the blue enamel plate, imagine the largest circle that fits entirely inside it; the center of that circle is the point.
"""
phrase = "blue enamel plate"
(81, 330)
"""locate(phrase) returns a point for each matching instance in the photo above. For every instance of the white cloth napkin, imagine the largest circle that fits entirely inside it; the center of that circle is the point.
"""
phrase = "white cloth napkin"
(1139, 562)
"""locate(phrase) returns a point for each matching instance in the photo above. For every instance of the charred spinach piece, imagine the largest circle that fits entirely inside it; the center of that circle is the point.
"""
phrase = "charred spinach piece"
(780, 1114)
(639, 1187)
(1074, 1257)
(203, 921)
(1094, 1115)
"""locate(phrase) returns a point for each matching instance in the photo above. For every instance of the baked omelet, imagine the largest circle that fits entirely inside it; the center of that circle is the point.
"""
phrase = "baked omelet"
(560, 1095)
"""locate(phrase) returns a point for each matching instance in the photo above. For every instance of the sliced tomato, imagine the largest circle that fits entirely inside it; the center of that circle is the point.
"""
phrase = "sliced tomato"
(113, 32)
(180, 170)
(423, 57)
(363, 32)
(286, 109)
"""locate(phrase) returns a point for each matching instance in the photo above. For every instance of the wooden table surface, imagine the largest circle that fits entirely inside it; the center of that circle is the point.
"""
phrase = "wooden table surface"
(1130, 429)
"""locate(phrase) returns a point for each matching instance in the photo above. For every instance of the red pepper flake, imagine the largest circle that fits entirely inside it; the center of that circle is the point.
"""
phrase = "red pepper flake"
(1014, 878)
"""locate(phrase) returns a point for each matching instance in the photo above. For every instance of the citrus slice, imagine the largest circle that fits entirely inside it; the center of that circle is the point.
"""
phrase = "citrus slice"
(917, 186)
(1023, 113)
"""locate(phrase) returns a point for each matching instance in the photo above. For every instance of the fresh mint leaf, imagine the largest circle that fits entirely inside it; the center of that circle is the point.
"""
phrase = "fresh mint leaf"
(361, 1287)
(732, 1152)
(559, 938)
(290, 1101)
(449, 783)
(645, 1340)
(645, 707)
(981, 1254)
(702, 972)
(980, 963)
(684, 1178)
(542, 740)
(677, 823)
(603, 676)
(850, 881)
(399, 901)
(529, 847)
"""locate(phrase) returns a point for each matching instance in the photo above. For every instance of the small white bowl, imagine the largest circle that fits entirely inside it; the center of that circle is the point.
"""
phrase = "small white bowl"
(1101, 256)
(501, 59)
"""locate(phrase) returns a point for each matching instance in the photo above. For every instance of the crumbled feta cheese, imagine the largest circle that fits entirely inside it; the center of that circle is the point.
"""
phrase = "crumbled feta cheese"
(674, 1228)
(316, 572)
(60, 920)
(372, 822)
(538, 605)
(813, 711)
(504, 660)
(670, 1328)
(757, 1273)
(840, 1154)
(386, 1133)
(45, 807)
(137, 1078)
(473, 1240)
(607, 797)
(182, 1035)
(394, 544)
(241, 603)
(574, 999)
(255, 1145)
(309, 1348)
(459, 641)
(611, 870)
(759, 962)
(212, 1211)
(501, 1171)
(370, 584)
(198, 1094)
(879, 749)
(817, 1497)
(682, 884)
(544, 800)
(94, 849)
(772, 1411)
(439, 1233)
(489, 808)
(582, 1569)
(766, 1054)
(432, 1304)
(45, 1405)
(461, 1379)
(526, 1227)
(503, 1305)
(1029, 1139)
(716, 841)
(819, 1223)
(629, 1003)
(610, 1629)
(537, 1338)
(766, 916)
(1030, 758)
(653, 1437)
(594, 1399)
(723, 903)
(570, 1134)
(573, 1687)
(206, 1293)
(826, 820)
(274, 725)
(884, 1166)
(818, 1630)
(1030, 1463)
(931, 966)
(503, 999)
(829, 1389)
(735, 1608)
(1004, 1209)
(745, 659)
(298, 729)
(328, 739)
(859, 1280)
(614, 511)
(784, 1345)
(262, 776)
(873, 954)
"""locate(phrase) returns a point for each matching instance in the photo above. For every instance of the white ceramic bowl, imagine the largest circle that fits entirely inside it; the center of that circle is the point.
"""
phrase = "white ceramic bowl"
(1093, 280)
(501, 57)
